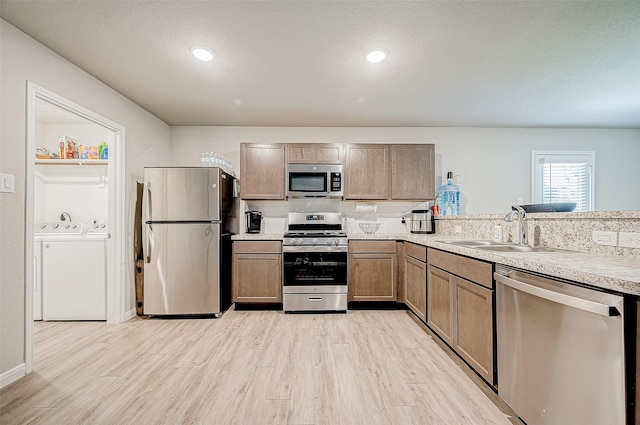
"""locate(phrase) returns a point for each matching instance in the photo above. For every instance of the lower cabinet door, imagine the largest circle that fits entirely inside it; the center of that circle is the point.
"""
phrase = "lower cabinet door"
(257, 278)
(415, 274)
(440, 303)
(372, 277)
(474, 329)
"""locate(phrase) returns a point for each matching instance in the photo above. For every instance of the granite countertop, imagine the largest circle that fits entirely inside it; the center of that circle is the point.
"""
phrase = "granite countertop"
(257, 237)
(616, 273)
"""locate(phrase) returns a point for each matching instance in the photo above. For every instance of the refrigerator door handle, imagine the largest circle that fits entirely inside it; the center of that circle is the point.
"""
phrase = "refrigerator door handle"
(146, 237)
(148, 201)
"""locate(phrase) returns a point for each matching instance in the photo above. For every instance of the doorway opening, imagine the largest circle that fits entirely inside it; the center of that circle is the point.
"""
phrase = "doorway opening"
(51, 176)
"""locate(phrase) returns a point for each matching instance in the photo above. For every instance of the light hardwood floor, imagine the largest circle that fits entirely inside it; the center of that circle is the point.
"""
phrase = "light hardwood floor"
(248, 367)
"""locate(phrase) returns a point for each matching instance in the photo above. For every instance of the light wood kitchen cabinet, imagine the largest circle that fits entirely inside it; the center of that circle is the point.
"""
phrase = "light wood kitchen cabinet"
(314, 153)
(400, 276)
(460, 307)
(413, 172)
(257, 272)
(372, 270)
(474, 328)
(415, 279)
(366, 171)
(262, 171)
(440, 303)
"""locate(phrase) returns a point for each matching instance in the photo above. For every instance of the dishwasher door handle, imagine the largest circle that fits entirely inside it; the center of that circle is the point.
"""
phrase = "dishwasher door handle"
(568, 300)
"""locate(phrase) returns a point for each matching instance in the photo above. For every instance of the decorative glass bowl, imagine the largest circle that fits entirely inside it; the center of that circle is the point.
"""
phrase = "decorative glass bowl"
(369, 228)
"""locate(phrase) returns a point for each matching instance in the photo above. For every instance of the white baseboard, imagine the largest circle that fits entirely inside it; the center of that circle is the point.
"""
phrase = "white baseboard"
(130, 314)
(12, 375)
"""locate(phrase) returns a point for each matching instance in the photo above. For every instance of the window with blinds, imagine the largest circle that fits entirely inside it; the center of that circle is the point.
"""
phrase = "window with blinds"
(563, 176)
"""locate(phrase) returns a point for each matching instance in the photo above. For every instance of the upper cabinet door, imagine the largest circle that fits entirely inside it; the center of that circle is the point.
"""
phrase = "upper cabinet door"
(412, 172)
(366, 171)
(262, 171)
(314, 153)
(301, 153)
(329, 153)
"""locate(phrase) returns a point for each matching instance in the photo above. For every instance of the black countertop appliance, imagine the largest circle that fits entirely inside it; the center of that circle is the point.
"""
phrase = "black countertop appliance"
(254, 221)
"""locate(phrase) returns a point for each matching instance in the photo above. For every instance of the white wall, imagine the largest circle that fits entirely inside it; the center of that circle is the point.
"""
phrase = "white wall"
(147, 139)
(492, 165)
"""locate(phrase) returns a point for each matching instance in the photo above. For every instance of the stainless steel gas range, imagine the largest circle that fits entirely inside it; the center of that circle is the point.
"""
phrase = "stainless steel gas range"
(315, 263)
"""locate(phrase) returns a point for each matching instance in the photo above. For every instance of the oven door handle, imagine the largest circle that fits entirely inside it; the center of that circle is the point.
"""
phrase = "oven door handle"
(323, 248)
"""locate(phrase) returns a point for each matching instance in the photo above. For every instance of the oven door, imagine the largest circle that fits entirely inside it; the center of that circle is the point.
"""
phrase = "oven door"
(326, 269)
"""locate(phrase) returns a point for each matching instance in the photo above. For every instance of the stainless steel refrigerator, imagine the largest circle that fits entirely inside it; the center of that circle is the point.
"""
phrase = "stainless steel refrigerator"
(187, 241)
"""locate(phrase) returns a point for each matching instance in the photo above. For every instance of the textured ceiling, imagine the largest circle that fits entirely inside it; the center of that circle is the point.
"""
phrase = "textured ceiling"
(281, 63)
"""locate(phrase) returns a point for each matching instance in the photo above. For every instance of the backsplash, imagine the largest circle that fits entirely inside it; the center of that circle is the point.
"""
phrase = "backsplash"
(388, 214)
(570, 231)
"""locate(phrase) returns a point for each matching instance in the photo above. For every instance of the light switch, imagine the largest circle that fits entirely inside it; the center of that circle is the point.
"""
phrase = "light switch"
(605, 238)
(6, 183)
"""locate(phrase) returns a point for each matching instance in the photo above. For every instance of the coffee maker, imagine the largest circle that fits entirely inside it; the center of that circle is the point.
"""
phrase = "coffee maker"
(254, 220)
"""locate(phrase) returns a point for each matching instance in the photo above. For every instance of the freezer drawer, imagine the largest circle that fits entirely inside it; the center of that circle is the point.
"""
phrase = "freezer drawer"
(182, 269)
(184, 194)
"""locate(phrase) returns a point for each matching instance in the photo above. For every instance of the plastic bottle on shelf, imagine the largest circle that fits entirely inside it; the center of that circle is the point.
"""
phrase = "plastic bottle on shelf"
(449, 197)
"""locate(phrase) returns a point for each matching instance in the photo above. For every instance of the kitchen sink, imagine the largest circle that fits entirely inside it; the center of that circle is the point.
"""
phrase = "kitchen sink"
(498, 246)
(517, 248)
(470, 243)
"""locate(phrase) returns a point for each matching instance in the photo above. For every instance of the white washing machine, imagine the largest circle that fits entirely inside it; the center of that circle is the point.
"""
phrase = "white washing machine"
(71, 278)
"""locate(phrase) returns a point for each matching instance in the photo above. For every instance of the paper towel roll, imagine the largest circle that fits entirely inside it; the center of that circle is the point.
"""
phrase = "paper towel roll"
(366, 207)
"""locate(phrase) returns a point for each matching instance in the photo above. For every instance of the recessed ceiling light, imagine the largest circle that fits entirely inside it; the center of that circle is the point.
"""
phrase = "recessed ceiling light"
(376, 55)
(202, 53)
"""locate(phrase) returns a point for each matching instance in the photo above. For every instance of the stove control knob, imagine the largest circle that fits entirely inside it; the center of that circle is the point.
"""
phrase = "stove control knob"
(299, 241)
(315, 241)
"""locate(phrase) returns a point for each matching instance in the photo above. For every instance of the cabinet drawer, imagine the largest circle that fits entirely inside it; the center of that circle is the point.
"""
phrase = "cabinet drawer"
(468, 268)
(372, 246)
(258, 247)
(416, 251)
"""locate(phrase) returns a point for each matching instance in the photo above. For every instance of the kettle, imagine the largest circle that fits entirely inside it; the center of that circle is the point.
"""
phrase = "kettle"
(422, 222)
(254, 220)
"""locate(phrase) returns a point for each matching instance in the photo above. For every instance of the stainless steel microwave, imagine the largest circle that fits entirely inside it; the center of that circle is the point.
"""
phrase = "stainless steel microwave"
(314, 181)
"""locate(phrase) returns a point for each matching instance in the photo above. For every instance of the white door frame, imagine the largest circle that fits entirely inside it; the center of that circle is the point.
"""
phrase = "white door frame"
(116, 281)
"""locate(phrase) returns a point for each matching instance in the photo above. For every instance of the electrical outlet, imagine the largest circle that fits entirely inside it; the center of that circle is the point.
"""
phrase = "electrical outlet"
(458, 229)
(604, 238)
(629, 239)
(497, 233)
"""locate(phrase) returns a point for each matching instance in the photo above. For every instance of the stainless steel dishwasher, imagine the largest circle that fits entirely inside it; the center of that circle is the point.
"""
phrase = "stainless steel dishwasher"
(560, 350)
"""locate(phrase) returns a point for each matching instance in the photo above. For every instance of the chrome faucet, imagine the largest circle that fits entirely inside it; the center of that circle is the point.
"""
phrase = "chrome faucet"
(62, 216)
(522, 220)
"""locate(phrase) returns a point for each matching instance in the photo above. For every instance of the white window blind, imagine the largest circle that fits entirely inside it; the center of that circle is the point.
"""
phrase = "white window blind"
(563, 176)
